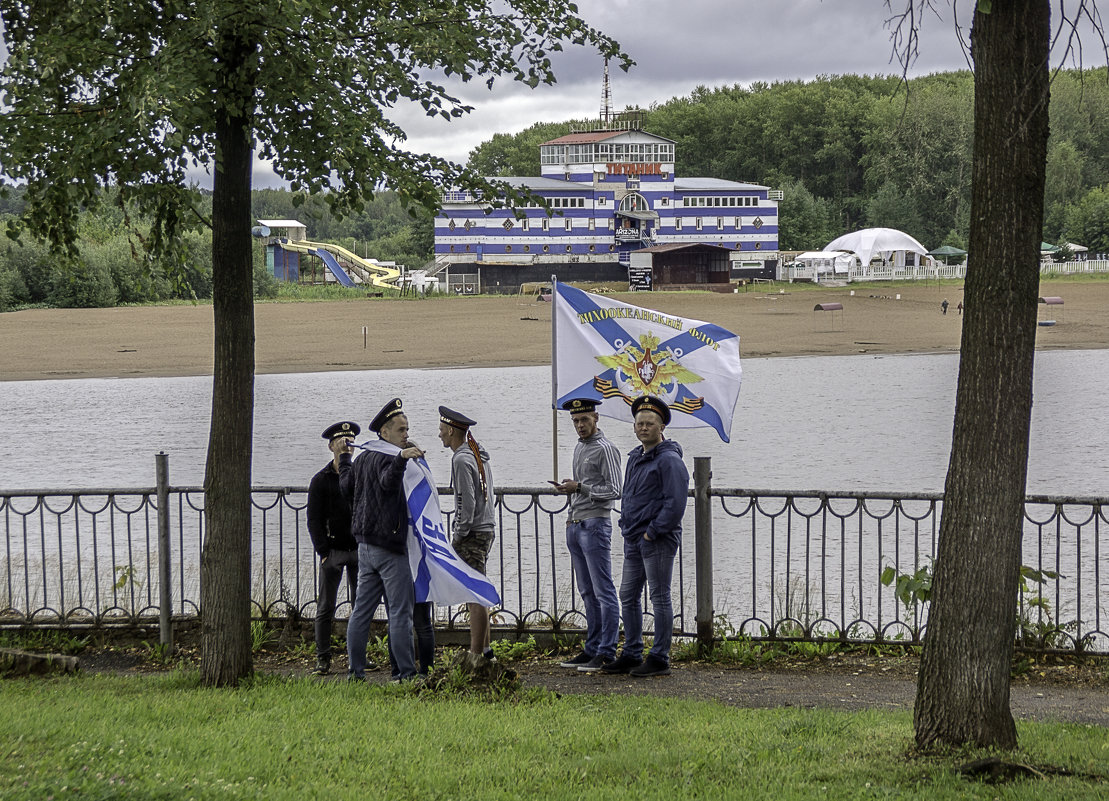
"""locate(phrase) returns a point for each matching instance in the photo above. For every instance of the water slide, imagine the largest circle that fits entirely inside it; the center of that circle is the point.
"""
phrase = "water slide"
(379, 276)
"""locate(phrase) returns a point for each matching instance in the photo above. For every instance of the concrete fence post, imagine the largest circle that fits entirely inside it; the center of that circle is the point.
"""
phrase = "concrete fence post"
(702, 515)
(165, 601)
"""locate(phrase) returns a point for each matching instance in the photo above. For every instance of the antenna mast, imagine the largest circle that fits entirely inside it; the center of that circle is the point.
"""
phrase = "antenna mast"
(606, 99)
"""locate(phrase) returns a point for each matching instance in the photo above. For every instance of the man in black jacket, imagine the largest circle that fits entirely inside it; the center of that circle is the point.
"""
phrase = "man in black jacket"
(329, 527)
(373, 484)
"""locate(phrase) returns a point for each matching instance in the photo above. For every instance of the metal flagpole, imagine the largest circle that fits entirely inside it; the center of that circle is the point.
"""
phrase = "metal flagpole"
(554, 374)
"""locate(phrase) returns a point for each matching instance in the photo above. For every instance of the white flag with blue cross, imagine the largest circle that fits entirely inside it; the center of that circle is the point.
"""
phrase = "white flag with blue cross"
(439, 573)
(615, 352)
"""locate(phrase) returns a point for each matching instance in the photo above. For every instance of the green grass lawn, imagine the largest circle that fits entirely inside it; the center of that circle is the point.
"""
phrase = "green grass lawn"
(165, 737)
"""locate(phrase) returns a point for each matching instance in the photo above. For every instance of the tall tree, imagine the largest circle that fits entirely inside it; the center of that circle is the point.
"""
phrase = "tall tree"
(963, 692)
(137, 94)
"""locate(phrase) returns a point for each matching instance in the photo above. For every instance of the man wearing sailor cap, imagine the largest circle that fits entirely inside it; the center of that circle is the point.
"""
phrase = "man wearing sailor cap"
(474, 521)
(329, 528)
(656, 486)
(593, 492)
(373, 483)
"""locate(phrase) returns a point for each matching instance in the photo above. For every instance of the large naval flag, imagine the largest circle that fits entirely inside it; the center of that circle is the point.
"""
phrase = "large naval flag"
(439, 573)
(615, 352)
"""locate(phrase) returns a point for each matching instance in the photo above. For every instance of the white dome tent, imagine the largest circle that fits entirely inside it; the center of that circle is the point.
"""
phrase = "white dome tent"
(891, 245)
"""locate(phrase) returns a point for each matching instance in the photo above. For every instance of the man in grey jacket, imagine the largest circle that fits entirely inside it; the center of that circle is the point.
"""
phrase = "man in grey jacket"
(474, 506)
(593, 492)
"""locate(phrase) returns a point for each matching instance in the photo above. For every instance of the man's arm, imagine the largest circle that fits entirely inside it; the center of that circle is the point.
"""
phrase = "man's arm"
(675, 494)
(466, 489)
(317, 516)
(608, 486)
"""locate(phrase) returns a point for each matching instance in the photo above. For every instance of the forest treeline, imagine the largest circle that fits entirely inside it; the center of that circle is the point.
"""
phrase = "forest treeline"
(847, 151)
(112, 269)
(851, 152)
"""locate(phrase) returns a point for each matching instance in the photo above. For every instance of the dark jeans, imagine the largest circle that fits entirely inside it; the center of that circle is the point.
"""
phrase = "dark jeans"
(425, 638)
(651, 563)
(331, 576)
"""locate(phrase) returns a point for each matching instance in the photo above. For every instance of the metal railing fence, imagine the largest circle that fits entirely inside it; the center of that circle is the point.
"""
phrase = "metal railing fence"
(759, 563)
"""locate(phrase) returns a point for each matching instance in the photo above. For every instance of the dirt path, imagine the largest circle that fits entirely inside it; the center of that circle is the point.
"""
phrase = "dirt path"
(503, 330)
(1062, 690)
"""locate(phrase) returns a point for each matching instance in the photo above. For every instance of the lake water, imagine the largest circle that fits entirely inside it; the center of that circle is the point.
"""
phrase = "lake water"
(880, 423)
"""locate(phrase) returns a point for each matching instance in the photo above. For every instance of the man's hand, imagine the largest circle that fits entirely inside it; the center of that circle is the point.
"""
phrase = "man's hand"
(568, 486)
(411, 452)
(340, 445)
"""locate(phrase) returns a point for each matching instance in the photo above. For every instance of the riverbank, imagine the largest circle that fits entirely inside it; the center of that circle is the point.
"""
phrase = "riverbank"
(491, 331)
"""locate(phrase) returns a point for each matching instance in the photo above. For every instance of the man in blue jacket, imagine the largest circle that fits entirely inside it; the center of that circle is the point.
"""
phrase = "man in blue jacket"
(656, 485)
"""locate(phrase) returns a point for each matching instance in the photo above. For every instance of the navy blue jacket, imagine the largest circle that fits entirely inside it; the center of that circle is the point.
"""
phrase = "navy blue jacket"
(374, 486)
(656, 486)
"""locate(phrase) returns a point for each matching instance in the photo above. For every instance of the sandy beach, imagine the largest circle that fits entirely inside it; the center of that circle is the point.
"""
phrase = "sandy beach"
(507, 330)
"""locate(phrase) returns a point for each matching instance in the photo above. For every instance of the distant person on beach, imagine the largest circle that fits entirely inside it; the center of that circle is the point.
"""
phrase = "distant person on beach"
(960, 307)
(943, 305)
(656, 485)
(474, 522)
(373, 483)
(593, 492)
(329, 528)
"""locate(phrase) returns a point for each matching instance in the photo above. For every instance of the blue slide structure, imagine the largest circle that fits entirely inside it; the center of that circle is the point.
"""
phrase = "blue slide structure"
(333, 264)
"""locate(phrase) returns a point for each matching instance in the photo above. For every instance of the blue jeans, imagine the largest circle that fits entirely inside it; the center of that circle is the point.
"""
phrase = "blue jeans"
(382, 572)
(650, 562)
(331, 577)
(590, 544)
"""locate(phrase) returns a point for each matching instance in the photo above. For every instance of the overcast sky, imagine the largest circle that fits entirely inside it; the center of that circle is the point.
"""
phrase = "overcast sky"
(681, 44)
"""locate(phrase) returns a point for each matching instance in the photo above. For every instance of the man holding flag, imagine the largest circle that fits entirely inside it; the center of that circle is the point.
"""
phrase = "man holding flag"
(379, 521)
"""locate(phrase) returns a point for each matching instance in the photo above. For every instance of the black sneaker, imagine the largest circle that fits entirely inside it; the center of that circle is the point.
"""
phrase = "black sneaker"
(323, 666)
(580, 659)
(652, 667)
(623, 664)
(371, 665)
(595, 664)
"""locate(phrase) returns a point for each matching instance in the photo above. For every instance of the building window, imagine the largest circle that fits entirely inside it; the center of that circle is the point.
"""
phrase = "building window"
(592, 248)
(611, 248)
(699, 224)
(546, 248)
(508, 248)
(719, 223)
(592, 223)
(569, 225)
(527, 248)
(569, 248)
(546, 224)
(737, 223)
(452, 248)
(633, 201)
(508, 224)
(525, 224)
(758, 246)
(677, 223)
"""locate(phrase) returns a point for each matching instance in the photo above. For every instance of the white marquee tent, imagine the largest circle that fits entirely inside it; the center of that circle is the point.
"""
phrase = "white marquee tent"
(884, 242)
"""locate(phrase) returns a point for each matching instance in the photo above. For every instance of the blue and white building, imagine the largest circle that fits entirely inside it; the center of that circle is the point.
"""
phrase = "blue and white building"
(612, 192)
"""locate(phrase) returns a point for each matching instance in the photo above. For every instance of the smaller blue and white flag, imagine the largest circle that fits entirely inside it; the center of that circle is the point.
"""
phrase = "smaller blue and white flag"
(616, 352)
(438, 572)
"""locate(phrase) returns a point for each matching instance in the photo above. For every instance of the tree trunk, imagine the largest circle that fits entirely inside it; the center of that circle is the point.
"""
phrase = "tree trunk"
(963, 691)
(225, 578)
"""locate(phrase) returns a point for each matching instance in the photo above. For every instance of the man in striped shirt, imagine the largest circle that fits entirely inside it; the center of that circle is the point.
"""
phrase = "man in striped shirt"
(593, 492)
